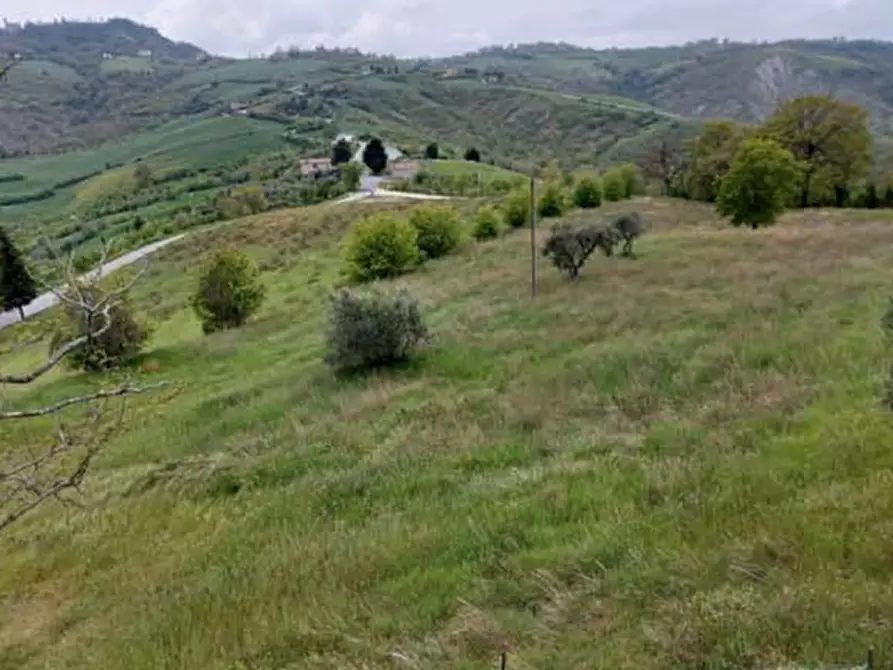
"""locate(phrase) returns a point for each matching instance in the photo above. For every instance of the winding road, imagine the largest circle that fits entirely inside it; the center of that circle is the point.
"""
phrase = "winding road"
(46, 300)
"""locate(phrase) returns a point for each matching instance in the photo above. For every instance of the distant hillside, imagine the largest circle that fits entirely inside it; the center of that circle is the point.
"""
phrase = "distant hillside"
(83, 83)
(81, 45)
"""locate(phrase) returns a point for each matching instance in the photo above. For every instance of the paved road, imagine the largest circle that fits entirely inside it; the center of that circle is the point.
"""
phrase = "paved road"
(384, 193)
(369, 189)
(47, 300)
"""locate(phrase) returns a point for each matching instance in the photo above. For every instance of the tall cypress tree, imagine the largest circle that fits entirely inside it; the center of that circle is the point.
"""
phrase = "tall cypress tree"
(17, 286)
(375, 156)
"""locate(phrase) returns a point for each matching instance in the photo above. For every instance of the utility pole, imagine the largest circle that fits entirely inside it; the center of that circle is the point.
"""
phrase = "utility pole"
(533, 232)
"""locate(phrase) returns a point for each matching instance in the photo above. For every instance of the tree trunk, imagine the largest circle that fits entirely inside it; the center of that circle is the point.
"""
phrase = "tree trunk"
(22, 312)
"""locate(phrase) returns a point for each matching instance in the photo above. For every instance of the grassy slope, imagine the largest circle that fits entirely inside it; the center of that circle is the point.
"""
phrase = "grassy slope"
(461, 167)
(673, 461)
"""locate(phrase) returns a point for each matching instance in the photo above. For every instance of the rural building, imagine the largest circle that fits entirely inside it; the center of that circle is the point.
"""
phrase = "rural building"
(405, 168)
(311, 166)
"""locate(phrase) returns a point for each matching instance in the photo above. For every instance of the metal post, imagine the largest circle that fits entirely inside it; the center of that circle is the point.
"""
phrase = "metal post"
(532, 234)
(503, 661)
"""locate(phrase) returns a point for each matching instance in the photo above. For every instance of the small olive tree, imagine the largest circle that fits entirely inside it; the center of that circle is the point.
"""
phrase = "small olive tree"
(569, 248)
(374, 330)
(229, 291)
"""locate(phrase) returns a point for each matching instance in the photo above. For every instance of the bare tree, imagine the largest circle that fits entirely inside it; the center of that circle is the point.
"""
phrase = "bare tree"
(31, 476)
(665, 162)
(4, 69)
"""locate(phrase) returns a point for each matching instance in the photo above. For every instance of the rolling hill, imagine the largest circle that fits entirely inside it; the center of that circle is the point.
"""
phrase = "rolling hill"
(94, 98)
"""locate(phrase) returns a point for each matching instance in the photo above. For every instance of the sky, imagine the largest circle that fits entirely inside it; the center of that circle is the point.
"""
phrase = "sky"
(442, 27)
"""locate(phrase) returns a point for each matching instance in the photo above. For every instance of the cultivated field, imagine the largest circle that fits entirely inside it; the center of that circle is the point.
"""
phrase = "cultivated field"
(674, 462)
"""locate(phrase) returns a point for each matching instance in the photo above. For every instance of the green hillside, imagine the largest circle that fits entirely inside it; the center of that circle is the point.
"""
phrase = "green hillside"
(677, 461)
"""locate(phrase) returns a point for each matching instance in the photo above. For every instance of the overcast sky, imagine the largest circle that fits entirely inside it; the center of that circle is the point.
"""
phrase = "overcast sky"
(440, 27)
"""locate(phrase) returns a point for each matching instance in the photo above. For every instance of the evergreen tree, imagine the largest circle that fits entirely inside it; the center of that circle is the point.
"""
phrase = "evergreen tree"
(432, 151)
(17, 287)
(375, 156)
(341, 152)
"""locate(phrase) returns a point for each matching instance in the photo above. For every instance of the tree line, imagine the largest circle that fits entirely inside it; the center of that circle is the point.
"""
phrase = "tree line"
(813, 151)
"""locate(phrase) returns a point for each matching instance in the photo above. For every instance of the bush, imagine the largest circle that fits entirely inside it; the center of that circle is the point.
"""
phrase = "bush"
(551, 202)
(350, 176)
(486, 223)
(229, 291)
(438, 227)
(588, 193)
(379, 247)
(118, 345)
(569, 248)
(614, 185)
(517, 209)
(372, 331)
(633, 184)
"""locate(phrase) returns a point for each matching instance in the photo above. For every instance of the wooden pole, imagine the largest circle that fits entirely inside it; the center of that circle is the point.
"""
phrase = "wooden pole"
(532, 234)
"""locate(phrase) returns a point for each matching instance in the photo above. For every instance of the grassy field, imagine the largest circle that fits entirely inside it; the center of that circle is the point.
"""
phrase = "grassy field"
(457, 167)
(675, 462)
(190, 144)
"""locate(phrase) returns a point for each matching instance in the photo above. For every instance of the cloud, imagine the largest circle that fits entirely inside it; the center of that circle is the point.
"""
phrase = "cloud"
(439, 27)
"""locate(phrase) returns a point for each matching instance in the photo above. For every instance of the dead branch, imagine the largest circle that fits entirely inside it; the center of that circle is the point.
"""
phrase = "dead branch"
(6, 68)
(79, 400)
(26, 486)
(28, 480)
(55, 358)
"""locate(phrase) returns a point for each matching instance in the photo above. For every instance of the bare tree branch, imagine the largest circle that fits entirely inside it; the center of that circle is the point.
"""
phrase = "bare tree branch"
(56, 357)
(28, 480)
(5, 69)
(79, 400)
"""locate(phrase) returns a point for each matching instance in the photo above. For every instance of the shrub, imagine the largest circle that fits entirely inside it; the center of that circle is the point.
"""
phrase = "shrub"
(486, 223)
(473, 154)
(551, 202)
(517, 209)
(633, 184)
(116, 346)
(379, 247)
(588, 193)
(373, 330)
(438, 227)
(252, 198)
(569, 248)
(614, 185)
(229, 291)
(350, 176)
